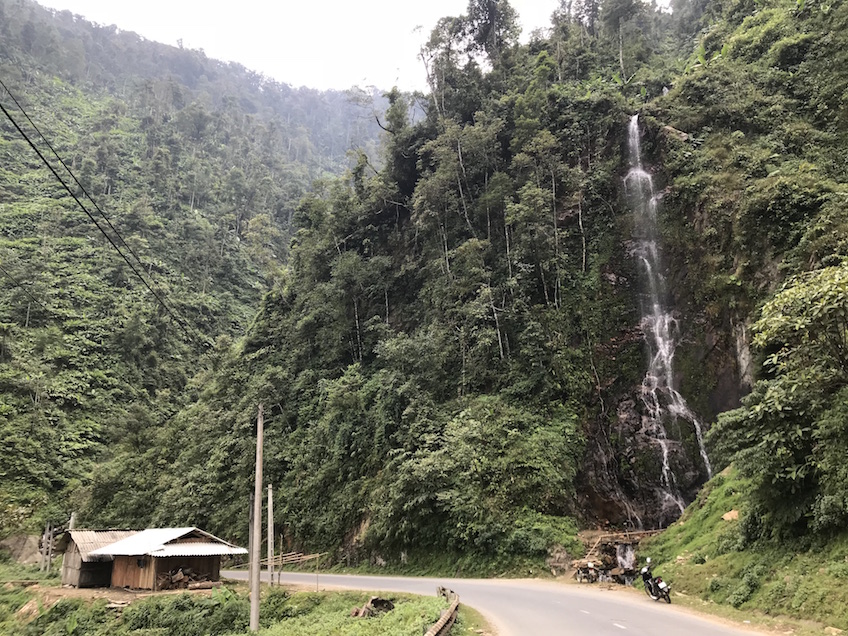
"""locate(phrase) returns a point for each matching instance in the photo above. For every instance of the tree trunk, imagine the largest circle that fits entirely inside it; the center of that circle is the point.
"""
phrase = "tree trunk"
(621, 48)
(497, 323)
(556, 239)
(582, 232)
(444, 231)
(488, 215)
(508, 258)
(358, 331)
(461, 192)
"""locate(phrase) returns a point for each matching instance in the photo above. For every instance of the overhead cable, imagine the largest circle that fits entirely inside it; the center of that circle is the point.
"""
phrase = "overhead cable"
(94, 220)
(15, 282)
(68, 170)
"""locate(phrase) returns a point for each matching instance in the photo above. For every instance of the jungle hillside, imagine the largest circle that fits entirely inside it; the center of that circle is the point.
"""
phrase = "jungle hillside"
(438, 298)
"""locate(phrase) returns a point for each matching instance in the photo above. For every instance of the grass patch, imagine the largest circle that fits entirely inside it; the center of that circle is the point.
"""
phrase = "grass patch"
(223, 612)
(323, 613)
(717, 564)
(12, 571)
(12, 599)
(450, 565)
(470, 621)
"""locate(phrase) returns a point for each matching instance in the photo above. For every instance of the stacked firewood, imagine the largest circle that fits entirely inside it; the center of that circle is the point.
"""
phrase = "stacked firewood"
(185, 578)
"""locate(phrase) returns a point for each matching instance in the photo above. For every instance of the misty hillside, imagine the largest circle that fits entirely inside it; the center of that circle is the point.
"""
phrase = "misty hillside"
(197, 167)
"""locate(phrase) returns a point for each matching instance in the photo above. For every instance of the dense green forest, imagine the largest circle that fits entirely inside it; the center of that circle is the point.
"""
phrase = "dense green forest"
(447, 336)
(198, 167)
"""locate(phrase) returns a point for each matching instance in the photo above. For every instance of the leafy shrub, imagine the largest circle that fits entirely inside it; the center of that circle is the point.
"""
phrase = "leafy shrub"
(791, 51)
(838, 570)
(187, 615)
(71, 617)
(728, 541)
(740, 595)
(752, 577)
(274, 606)
(279, 605)
(534, 533)
(774, 596)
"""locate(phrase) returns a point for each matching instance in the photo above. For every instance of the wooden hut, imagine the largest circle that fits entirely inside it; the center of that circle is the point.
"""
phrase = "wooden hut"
(80, 567)
(153, 558)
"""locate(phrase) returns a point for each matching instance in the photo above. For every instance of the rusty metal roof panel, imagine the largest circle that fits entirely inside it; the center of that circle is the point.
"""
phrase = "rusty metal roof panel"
(87, 541)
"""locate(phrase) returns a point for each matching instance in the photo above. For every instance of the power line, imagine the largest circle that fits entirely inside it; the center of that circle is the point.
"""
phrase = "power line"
(68, 170)
(21, 287)
(93, 220)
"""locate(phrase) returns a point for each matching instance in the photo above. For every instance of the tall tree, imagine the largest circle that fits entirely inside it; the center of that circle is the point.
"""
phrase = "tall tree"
(493, 26)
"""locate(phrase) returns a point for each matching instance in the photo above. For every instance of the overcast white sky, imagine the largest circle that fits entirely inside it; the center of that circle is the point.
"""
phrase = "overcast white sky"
(317, 43)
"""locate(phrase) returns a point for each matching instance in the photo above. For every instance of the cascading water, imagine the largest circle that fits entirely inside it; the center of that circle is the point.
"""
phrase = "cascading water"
(625, 556)
(659, 326)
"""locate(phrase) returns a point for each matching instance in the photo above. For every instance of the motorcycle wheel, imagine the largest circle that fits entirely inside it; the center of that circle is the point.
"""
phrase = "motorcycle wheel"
(650, 592)
(666, 597)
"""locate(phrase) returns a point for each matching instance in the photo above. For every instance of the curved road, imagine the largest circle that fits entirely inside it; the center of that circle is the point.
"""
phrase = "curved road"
(538, 608)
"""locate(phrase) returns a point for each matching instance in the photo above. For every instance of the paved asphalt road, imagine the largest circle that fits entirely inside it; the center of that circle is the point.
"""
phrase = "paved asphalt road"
(540, 608)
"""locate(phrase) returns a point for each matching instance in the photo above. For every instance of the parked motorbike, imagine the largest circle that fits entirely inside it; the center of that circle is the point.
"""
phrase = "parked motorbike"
(655, 587)
(587, 574)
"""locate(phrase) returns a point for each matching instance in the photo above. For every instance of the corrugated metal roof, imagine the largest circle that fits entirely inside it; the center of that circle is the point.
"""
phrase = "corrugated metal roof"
(197, 549)
(165, 542)
(88, 541)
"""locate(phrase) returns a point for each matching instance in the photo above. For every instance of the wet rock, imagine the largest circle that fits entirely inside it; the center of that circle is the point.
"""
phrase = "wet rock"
(558, 560)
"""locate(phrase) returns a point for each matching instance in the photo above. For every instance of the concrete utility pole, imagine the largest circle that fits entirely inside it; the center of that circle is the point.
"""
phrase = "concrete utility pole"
(250, 542)
(271, 534)
(257, 528)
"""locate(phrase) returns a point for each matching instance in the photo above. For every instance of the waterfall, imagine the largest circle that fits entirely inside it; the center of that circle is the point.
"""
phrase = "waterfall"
(658, 325)
(625, 556)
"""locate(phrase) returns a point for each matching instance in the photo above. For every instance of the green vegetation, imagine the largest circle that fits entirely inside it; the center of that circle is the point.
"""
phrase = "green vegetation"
(223, 612)
(443, 325)
(199, 166)
(727, 563)
(464, 564)
(304, 614)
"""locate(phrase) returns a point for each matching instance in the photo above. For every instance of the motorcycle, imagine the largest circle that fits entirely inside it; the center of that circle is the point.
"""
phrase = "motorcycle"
(587, 574)
(655, 587)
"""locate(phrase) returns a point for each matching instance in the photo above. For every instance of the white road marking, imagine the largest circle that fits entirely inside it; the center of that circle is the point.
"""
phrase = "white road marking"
(619, 626)
(584, 611)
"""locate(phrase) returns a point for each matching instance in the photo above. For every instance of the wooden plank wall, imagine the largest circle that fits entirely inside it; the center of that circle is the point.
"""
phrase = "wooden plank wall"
(71, 566)
(127, 573)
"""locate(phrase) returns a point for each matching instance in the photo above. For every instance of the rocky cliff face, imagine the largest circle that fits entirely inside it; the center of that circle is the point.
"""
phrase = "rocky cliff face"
(648, 459)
